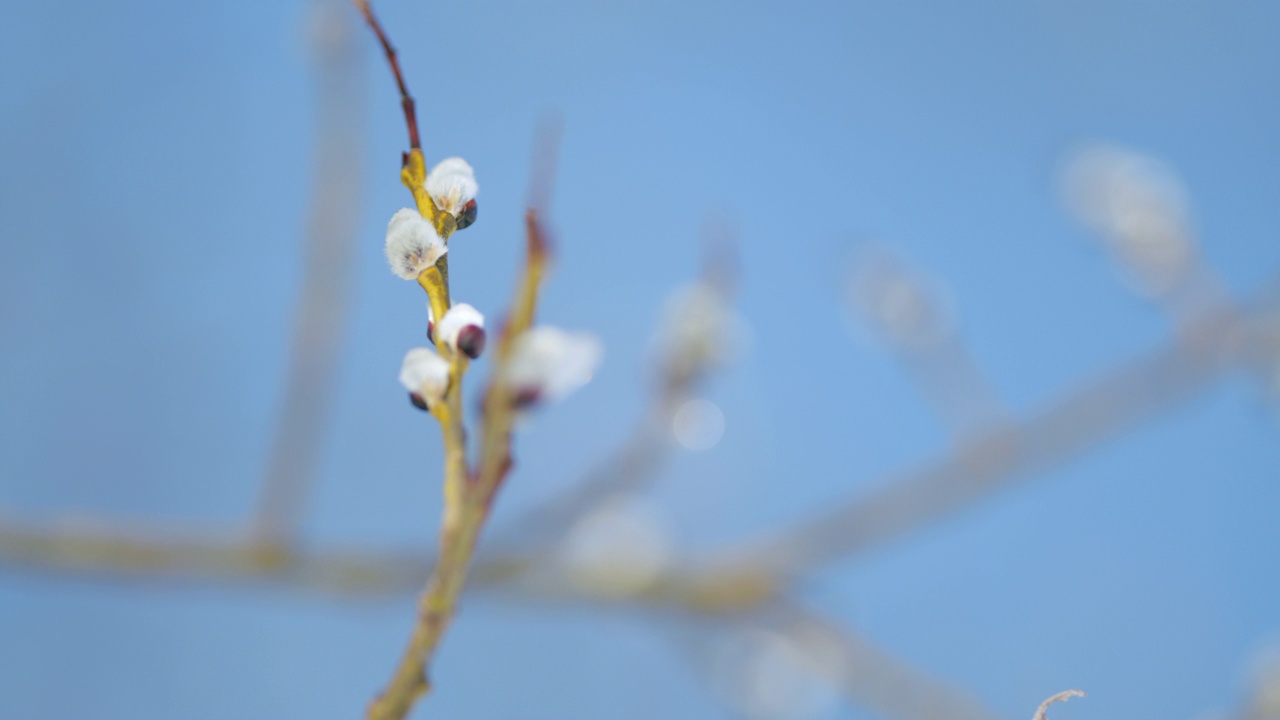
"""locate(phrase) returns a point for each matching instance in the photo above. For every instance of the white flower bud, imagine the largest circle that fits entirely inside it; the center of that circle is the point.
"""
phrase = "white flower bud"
(1140, 208)
(899, 304)
(618, 549)
(462, 329)
(548, 363)
(452, 184)
(413, 245)
(697, 325)
(425, 375)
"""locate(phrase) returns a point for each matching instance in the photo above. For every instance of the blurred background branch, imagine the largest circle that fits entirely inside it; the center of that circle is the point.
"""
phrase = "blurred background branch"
(324, 296)
(1097, 411)
(736, 580)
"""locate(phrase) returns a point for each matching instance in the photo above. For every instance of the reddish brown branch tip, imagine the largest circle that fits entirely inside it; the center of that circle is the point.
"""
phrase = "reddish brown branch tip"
(538, 242)
(406, 100)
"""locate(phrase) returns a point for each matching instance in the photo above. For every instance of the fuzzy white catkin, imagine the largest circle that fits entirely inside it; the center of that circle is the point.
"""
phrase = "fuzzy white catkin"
(459, 316)
(412, 244)
(1140, 207)
(1119, 191)
(552, 362)
(452, 184)
(696, 323)
(425, 373)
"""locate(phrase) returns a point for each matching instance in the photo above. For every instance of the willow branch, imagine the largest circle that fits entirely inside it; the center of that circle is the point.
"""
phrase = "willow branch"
(457, 532)
(406, 100)
(681, 369)
(223, 557)
(500, 401)
(871, 677)
(131, 553)
(323, 299)
(116, 551)
(904, 503)
(1099, 410)
(907, 313)
(467, 504)
(1043, 711)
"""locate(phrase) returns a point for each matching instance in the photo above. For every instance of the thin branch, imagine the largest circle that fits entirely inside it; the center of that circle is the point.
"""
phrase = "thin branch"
(804, 652)
(1164, 378)
(1097, 411)
(323, 299)
(1065, 695)
(500, 402)
(682, 367)
(869, 676)
(118, 551)
(115, 551)
(460, 525)
(127, 552)
(406, 100)
(541, 527)
(910, 315)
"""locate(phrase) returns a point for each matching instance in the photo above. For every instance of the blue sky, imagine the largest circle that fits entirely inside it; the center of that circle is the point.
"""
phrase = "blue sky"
(154, 176)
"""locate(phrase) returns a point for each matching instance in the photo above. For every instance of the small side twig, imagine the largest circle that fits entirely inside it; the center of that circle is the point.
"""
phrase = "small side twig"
(867, 675)
(1065, 695)
(681, 368)
(499, 403)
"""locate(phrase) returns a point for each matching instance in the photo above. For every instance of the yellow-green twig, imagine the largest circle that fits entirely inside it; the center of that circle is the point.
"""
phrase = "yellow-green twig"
(467, 498)
(681, 368)
(499, 404)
